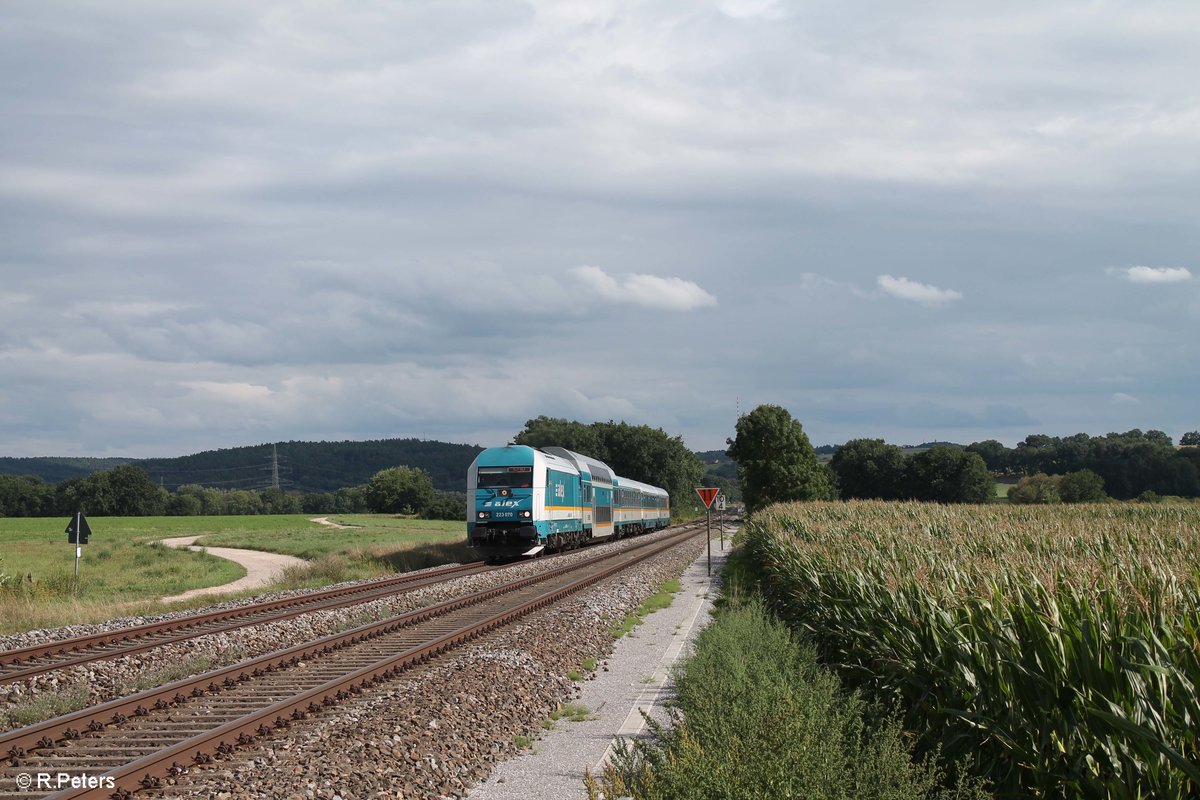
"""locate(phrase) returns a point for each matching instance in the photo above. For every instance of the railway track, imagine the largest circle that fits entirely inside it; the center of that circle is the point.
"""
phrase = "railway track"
(29, 662)
(142, 740)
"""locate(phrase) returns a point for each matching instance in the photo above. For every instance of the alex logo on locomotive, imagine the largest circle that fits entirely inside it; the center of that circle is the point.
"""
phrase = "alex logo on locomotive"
(502, 503)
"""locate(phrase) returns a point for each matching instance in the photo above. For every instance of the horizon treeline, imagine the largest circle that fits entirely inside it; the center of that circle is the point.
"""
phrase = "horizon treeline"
(306, 467)
(127, 491)
(1132, 464)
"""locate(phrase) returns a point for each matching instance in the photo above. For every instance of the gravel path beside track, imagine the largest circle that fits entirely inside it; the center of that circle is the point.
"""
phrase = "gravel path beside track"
(635, 679)
(261, 568)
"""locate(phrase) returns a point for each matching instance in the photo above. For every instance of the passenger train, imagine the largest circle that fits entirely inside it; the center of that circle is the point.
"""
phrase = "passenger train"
(523, 501)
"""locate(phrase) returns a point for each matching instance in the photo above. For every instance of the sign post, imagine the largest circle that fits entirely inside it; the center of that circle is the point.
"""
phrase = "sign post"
(721, 519)
(78, 533)
(708, 494)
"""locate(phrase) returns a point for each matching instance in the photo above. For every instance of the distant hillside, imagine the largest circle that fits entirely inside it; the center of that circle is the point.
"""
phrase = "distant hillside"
(716, 462)
(909, 449)
(53, 470)
(302, 466)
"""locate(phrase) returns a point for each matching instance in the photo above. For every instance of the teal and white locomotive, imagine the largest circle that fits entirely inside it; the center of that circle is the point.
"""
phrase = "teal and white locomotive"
(524, 500)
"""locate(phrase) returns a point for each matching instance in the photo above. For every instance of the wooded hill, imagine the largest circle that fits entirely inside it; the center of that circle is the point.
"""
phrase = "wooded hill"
(301, 466)
(54, 469)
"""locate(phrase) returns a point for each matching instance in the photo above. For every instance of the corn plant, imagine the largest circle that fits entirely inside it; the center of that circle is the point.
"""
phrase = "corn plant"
(1057, 646)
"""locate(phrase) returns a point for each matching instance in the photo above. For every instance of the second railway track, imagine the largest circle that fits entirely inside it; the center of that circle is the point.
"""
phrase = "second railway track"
(28, 662)
(140, 740)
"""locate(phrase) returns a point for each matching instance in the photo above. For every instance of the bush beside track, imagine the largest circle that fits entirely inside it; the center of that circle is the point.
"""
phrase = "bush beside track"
(1055, 646)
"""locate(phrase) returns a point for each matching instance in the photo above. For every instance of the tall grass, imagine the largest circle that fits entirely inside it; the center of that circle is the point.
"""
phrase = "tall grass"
(757, 717)
(1060, 647)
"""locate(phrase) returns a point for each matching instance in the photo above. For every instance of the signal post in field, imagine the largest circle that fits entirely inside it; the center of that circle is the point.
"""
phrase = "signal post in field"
(708, 494)
(78, 532)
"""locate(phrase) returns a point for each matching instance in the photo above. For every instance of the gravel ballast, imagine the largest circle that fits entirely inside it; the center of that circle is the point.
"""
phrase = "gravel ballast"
(101, 681)
(442, 728)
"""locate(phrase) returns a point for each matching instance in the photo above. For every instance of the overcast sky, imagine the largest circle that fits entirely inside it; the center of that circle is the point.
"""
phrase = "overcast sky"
(226, 223)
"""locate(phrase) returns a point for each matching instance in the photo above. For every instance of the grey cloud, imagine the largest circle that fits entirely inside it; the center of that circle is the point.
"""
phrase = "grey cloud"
(222, 222)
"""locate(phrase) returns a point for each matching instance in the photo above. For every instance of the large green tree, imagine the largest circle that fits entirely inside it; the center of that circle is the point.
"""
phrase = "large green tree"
(399, 490)
(557, 432)
(125, 491)
(652, 456)
(277, 501)
(947, 474)
(994, 454)
(25, 496)
(133, 494)
(776, 462)
(869, 468)
(1083, 486)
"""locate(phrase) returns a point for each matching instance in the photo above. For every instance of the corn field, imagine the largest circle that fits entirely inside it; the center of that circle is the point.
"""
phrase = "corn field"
(1057, 647)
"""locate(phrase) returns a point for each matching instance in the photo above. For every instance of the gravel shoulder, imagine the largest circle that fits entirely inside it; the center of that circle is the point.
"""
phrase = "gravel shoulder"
(261, 568)
(635, 679)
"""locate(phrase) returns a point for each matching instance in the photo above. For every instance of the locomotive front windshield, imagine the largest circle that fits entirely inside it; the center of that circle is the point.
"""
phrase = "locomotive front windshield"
(505, 477)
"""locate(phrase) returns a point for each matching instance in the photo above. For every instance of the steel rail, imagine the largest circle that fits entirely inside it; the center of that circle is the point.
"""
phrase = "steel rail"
(147, 772)
(224, 738)
(124, 641)
(18, 743)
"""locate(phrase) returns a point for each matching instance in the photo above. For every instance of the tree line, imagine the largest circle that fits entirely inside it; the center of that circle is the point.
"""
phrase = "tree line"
(128, 491)
(1131, 464)
(639, 452)
(771, 455)
(777, 463)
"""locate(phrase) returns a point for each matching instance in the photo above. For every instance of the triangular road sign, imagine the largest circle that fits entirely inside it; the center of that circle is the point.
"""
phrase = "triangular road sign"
(708, 494)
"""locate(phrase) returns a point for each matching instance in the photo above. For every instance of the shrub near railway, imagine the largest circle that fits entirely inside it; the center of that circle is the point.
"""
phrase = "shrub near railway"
(1056, 646)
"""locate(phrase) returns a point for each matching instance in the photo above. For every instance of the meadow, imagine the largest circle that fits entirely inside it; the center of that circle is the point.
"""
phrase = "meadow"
(124, 571)
(372, 535)
(1055, 648)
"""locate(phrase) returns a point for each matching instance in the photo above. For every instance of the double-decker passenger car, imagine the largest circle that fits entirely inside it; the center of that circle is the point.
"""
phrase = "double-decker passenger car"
(524, 500)
(639, 507)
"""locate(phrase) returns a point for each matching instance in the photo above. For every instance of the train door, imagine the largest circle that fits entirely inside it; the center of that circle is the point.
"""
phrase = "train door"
(586, 502)
(603, 524)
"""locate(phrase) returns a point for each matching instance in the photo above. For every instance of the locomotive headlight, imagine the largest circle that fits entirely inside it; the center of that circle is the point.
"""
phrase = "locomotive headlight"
(483, 515)
(526, 514)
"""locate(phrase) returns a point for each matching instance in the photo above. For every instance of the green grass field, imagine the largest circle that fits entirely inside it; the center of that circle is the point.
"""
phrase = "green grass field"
(124, 572)
(375, 535)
